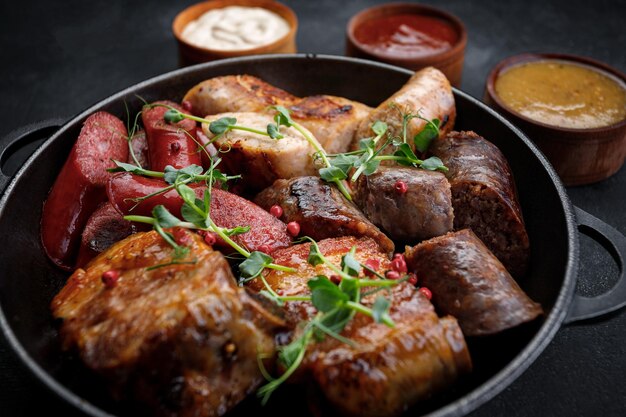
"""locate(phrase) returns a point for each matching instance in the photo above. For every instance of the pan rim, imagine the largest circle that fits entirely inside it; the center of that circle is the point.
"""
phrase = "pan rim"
(463, 405)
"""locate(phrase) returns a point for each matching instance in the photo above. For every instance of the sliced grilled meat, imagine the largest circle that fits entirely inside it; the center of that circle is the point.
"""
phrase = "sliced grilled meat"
(182, 338)
(427, 93)
(420, 211)
(468, 282)
(260, 159)
(387, 369)
(105, 227)
(484, 197)
(320, 209)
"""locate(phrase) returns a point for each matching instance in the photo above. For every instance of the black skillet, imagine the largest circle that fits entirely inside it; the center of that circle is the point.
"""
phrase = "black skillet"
(28, 281)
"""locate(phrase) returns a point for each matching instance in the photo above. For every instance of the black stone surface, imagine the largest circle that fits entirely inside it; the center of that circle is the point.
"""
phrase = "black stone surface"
(57, 58)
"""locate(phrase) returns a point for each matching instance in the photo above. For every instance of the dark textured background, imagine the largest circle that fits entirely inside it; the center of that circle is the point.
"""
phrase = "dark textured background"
(60, 57)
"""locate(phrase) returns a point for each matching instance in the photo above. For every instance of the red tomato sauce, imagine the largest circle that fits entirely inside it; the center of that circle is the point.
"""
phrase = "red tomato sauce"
(406, 35)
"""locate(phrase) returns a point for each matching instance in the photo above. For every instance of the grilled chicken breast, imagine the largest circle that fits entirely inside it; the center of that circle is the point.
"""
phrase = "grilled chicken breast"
(182, 338)
(332, 120)
(427, 93)
(320, 209)
(387, 369)
(260, 159)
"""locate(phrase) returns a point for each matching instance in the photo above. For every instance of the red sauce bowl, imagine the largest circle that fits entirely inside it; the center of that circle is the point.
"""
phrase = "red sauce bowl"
(429, 24)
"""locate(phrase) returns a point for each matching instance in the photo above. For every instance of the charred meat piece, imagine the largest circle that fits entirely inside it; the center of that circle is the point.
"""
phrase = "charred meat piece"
(320, 209)
(469, 283)
(182, 338)
(105, 227)
(387, 369)
(408, 204)
(260, 159)
(427, 93)
(484, 197)
(235, 93)
(332, 120)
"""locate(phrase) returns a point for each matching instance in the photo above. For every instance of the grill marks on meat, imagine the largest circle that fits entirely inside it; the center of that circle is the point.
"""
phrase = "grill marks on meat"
(422, 212)
(388, 369)
(321, 210)
(484, 196)
(182, 338)
(259, 159)
(332, 120)
(470, 283)
(427, 93)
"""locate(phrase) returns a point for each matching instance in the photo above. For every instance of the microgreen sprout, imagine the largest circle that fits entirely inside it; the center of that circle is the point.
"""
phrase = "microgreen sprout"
(336, 305)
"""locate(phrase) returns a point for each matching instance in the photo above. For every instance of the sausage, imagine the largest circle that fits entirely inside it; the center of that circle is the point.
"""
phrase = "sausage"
(320, 209)
(266, 233)
(80, 186)
(139, 143)
(468, 282)
(105, 227)
(169, 144)
(427, 93)
(423, 211)
(484, 196)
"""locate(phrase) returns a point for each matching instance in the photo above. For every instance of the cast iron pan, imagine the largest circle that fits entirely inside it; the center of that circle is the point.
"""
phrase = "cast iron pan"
(28, 281)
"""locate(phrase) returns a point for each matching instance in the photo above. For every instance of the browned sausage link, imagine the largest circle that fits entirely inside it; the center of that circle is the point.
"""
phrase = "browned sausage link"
(79, 188)
(320, 209)
(170, 144)
(409, 204)
(105, 227)
(484, 196)
(469, 283)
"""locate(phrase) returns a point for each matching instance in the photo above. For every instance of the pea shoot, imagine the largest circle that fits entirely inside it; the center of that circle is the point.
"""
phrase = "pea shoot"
(336, 305)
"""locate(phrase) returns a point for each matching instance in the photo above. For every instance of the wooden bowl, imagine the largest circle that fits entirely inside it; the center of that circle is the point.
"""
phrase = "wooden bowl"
(450, 62)
(579, 156)
(192, 54)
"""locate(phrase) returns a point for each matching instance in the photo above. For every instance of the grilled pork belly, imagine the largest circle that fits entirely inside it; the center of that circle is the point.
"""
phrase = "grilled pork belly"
(420, 211)
(320, 209)
(332, 120)
(182, 338)
(260, 159)
(427, 93)
(387, 369)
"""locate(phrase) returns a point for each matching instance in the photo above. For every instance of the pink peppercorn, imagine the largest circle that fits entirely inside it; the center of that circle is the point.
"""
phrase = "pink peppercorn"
(210, 238)
(426, 292)
(373, 264)
(392, 275)
(335, 279)
(293, 228)
(110, 278)
(399, 263)
(276, 210)
(186, 104)
(401, 187)
(412, 279)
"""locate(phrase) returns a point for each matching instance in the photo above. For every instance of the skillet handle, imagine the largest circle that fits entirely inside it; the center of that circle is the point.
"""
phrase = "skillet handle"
(21, 136)
(615, 243)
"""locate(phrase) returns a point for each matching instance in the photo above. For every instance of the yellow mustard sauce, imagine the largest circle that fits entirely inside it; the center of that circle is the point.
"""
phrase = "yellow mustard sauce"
(563, 94)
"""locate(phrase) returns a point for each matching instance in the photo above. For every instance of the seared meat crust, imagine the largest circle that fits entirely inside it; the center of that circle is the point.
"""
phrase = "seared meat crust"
(484, 196)
(422, 212)
(387, 369)
(182, 338)
(320, 209)
(468, 282)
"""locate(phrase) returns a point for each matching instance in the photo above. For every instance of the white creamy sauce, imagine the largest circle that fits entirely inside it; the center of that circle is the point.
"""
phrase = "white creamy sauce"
(235, 28)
